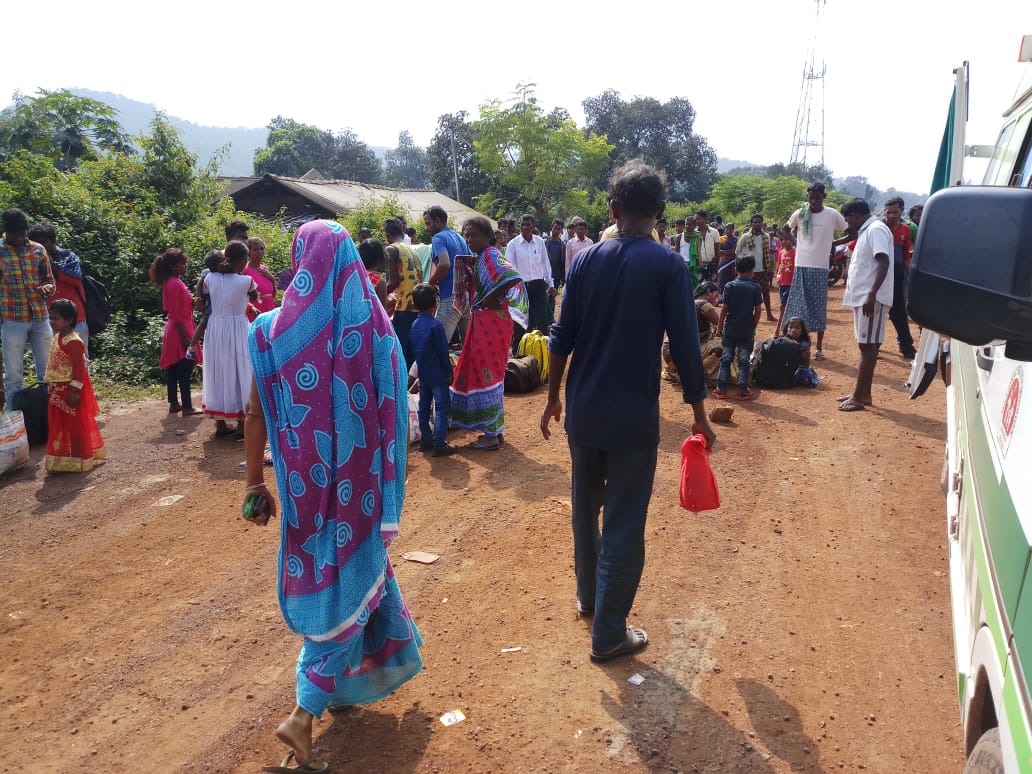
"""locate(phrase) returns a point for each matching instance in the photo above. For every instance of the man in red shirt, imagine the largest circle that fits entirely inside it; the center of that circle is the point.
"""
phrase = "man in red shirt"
(903, 249)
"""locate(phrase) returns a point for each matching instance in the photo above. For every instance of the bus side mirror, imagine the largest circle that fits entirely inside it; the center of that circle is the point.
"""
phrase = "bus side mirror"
(971, 276)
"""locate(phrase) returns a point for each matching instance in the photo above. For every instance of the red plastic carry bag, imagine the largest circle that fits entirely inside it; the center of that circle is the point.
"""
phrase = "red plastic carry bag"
(699, 490)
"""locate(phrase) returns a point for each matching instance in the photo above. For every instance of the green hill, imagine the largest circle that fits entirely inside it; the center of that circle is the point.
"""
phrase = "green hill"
(205, 141)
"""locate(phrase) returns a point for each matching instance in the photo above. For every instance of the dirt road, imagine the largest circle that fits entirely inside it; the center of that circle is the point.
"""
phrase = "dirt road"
(803, 627)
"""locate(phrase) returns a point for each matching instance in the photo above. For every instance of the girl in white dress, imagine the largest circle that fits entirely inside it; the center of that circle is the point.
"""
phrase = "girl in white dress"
(227, 365)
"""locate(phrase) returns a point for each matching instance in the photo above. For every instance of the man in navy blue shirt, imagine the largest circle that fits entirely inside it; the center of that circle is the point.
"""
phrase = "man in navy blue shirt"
(621, 296)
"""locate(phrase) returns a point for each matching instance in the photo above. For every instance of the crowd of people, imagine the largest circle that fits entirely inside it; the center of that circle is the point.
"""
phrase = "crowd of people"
(319, 383)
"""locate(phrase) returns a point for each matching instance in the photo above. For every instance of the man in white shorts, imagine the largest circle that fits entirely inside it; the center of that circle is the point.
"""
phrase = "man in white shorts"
(869, 292)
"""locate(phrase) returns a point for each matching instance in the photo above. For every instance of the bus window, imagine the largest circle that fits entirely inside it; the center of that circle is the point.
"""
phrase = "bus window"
(1001, 169)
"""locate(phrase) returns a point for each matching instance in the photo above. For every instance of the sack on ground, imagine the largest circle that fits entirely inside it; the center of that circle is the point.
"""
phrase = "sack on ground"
(522, 374)
(775, 362)
(32, 403)
(536, 344)
(699, 490)
(14, 441)
(413, 416)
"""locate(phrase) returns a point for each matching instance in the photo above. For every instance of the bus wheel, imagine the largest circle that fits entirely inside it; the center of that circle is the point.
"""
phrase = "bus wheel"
(987, 757)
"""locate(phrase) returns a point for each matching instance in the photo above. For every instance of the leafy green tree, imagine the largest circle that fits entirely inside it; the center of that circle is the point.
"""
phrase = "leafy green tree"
(293, 148)
(782, 197)
(61, 126)
(455, 131)
(538, 160)
(661, 133)
(736, 197)
(405, 166)
(354, 160)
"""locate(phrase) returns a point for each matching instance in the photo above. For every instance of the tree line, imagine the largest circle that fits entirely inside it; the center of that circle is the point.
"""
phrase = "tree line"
(118, 201)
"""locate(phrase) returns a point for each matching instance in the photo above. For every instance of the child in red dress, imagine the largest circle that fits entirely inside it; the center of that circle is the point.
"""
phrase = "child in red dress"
(73, 440)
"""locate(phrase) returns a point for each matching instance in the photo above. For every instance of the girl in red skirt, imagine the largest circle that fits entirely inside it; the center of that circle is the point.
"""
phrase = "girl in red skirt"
(73, 440)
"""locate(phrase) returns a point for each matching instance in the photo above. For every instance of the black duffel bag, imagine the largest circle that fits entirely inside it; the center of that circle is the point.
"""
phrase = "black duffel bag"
(32, 403)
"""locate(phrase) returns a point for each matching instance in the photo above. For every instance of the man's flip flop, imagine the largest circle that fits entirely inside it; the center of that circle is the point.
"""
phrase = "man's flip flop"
(483, 446)
(818, 355)
(851, 405)
(843, 398)
(302, 768)
(635, 639)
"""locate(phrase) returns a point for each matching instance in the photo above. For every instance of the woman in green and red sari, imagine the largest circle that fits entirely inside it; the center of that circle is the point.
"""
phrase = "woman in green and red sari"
(493, 292)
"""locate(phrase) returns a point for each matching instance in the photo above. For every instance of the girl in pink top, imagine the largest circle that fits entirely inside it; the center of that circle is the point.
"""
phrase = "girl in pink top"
(166, 274)
(260, 273)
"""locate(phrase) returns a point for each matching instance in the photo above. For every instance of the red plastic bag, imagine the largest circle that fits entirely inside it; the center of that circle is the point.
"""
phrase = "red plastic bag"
(699, 490)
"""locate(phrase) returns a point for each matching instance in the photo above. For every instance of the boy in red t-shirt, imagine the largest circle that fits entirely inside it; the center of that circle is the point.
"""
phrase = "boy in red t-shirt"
(785, 271)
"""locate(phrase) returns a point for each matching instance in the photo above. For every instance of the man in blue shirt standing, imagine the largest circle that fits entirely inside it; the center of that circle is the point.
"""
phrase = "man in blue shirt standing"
(621, 296)
(444, 246)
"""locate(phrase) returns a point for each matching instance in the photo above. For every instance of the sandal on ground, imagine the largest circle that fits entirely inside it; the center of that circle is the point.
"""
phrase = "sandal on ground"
(225, 432)
(745, 394)
(190, 411)
(301, 768)
(818, 355)
(174, 408)
(634, 640)
(851, 405)
(484, 445)
(720, 392)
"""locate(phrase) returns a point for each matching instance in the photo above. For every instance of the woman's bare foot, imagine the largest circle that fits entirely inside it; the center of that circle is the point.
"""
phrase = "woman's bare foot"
(296, 733)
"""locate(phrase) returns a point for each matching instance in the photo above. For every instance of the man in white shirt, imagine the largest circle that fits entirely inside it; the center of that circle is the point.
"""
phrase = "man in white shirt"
(529, 256)
(578, 242)
(814, 226)
(708, 245)
(869, 289)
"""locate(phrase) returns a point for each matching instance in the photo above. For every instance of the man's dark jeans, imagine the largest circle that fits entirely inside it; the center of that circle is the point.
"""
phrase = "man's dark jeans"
(609, 563)
(898, 311)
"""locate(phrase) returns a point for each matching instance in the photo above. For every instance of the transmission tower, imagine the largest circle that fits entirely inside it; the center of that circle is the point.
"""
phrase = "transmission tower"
(808, 140)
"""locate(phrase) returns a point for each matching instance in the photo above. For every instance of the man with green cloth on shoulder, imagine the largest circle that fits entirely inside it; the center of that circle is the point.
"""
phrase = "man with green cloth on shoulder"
(688, 244)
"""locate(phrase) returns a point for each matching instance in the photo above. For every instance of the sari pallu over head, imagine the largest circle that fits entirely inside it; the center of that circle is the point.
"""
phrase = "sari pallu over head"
(488, 272)
(331, 380)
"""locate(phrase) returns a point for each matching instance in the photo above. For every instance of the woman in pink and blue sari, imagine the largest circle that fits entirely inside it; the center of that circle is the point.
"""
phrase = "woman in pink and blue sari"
(492, 290)
(330, 398)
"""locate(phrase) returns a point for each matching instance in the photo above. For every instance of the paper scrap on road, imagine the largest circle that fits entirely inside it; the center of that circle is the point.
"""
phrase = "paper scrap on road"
(636, 679)
(512, 650)
(420, 556)
(453, 717)
(167, 500)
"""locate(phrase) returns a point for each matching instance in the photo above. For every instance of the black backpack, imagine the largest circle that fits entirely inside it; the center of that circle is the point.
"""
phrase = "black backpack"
(96, 301)
(32, 402)
(776, 362)
(98, 304)
(522, 374)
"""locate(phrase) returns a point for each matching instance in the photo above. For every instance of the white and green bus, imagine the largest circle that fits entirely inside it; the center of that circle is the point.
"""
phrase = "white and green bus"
(971, 281)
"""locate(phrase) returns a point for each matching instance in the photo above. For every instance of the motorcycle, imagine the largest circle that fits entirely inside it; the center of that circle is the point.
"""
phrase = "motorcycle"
(837, 267)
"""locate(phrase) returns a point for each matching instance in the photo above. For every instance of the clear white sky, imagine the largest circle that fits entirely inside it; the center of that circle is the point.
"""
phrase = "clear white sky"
(379, 68)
